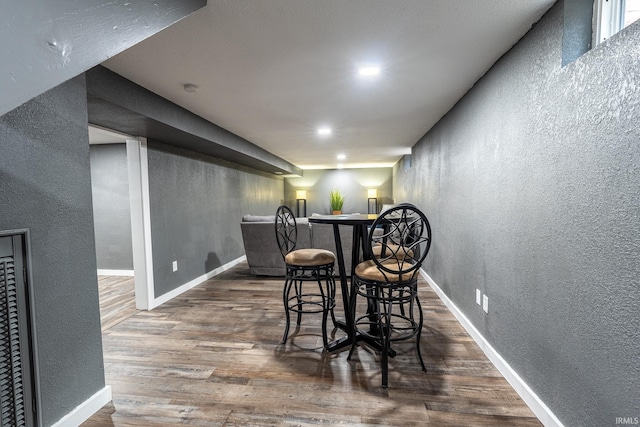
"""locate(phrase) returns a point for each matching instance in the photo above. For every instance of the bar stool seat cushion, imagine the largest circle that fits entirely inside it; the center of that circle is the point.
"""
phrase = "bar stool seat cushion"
(309, 257)
(368, 270)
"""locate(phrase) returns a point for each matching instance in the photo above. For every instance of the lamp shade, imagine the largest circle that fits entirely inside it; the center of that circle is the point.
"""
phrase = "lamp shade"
(301, 194)
(372, 193)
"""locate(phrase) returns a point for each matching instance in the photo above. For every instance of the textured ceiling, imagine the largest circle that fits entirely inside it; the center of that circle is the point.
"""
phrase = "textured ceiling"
(273, 72)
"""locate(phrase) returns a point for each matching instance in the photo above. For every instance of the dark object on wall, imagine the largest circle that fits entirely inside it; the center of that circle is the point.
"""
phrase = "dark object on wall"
(576, 29)
(17, 376)
(407, 162)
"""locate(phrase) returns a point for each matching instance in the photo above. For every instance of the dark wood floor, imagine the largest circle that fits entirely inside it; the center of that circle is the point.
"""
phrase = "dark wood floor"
(117, 300)
(212, 357)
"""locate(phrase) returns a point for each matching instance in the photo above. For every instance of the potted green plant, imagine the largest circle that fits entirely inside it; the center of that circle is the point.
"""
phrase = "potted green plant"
(336, 200)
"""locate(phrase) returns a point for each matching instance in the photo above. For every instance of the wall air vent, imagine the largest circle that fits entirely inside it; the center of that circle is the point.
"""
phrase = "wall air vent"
(16, 372)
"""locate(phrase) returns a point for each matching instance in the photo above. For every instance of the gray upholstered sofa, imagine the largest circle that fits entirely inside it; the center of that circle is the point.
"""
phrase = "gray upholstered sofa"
(261, 248)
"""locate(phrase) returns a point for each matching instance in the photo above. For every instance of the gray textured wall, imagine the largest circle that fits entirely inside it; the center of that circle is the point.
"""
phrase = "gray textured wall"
(45, 186)
(532, 185)
(197, 203)
(111, 206)
(353, 183)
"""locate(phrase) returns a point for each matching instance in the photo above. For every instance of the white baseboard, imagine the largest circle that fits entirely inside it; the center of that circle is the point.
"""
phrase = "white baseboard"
(195, 282)
(532, 400)
(89, 407)
(104, 272)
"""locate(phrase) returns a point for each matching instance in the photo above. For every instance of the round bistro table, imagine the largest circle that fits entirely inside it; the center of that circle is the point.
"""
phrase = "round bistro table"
(360, 224)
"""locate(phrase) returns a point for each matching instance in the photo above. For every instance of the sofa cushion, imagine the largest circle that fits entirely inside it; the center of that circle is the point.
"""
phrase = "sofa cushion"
(261, 247)
(322, 237)
(386, 207)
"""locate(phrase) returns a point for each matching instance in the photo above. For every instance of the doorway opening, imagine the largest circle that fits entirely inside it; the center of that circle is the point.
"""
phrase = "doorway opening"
(112, 225)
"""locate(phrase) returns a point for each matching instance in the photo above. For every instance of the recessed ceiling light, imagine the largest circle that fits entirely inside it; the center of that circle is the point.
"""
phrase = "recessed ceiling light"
(369, 71)
(324, 131)
(342, 156)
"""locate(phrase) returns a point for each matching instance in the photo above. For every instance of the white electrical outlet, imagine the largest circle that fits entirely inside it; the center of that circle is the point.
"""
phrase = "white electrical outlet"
(478, 297)
(485, 304)
(175, 266)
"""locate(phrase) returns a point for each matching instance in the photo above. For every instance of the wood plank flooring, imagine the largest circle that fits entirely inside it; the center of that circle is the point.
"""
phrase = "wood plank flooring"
(212, 357)
(117, 299)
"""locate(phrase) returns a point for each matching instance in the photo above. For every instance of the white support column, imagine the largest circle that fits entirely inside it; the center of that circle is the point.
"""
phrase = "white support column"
(138, 169)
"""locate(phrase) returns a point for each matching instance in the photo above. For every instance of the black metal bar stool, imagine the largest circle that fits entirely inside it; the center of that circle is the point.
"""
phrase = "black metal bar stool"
(389, 282)
(305, 267)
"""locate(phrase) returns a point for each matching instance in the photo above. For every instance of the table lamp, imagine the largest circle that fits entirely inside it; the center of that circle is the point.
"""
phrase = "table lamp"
(372, 200)
(301, 196)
